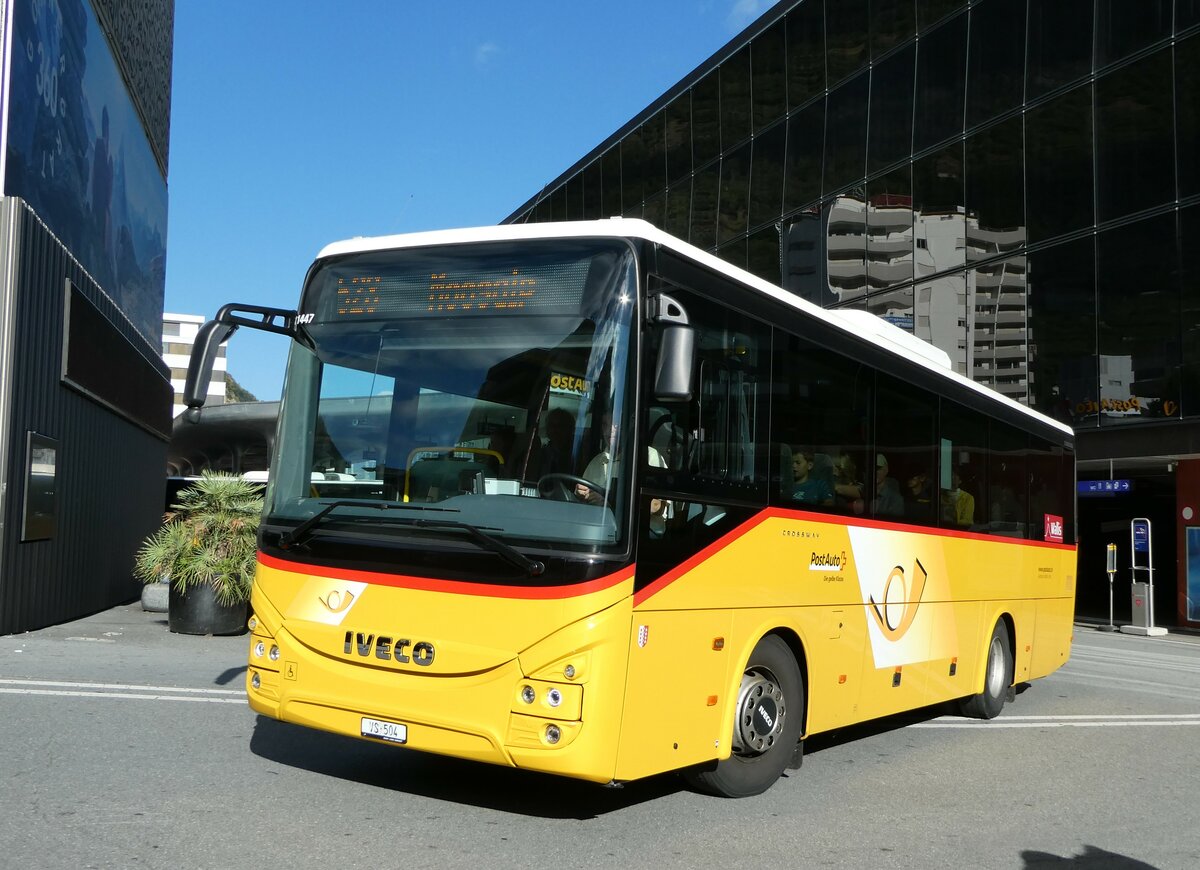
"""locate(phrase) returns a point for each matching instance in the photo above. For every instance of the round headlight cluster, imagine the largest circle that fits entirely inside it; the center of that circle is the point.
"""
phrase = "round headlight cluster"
(259, 649)
(528, 695)
(255, 680)
(274, 654)
(553, 734)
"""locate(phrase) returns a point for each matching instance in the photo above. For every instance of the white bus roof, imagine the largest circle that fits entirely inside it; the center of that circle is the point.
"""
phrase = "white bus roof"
(856, 322)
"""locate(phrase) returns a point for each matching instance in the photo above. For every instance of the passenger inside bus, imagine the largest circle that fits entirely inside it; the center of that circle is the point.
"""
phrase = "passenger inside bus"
(958, 505)
(808, 486)
(887, 501)
(847, 488)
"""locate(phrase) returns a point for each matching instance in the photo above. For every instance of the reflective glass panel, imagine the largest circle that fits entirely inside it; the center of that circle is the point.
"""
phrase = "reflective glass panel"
(1187, 14)
(735, 194)
(845, 245)
(734, 253)
(735, 99)
(890, 134)
(847, 25)
(706, 185)
(1058, 165)
(575, 197)
(939, 216)
(930, 12)
(1062, 331)
(803, 257)
(1189, 234)
(655, 178)
(706, 118)
(890, 230)
(633, 163)
(769, 71)
(805, 144)
(762, 254)
(593, 204)
(995, 191)
(610, 165)
(1060, 43)
(678, 209)
(892, 22)
(846, 133)
(558, 204)
(895, 306)
(653, 207)
(766, 176)
(1123, 27)
(998, 310)
(1135, 155)
(905, 462)
(1187, 112)
(805, 53)
(940, 316)
(941, 71)
(679, 137)
(996, 72)
(1138, 309)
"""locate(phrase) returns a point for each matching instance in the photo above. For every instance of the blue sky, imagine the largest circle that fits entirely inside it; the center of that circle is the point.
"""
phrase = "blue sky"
(292, 127)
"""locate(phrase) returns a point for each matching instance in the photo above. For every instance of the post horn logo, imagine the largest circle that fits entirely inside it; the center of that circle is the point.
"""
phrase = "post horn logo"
(337, 601)
(895, 624)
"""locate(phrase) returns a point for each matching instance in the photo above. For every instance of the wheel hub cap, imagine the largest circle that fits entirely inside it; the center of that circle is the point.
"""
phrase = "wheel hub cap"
(761, 713)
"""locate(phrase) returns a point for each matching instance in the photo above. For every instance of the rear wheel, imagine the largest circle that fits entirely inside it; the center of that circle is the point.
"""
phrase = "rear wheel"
(766, 729)
(997, 678)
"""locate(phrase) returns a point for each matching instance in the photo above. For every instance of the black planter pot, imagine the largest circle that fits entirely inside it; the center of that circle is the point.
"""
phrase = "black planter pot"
(196, 611)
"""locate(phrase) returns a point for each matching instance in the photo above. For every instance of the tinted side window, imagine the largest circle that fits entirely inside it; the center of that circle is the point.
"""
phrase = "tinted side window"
(962, 469)
(1050, 491)
(716, 443)
(1008, 481)
(821, 424)
(904, 464)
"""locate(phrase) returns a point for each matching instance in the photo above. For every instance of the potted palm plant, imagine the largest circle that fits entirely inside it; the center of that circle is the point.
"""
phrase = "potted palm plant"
(206, 550)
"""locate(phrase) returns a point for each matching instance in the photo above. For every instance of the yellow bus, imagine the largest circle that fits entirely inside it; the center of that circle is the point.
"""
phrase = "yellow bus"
(613, 507)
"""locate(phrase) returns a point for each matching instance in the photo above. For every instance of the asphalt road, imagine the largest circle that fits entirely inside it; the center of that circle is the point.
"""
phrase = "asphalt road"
(127, 746)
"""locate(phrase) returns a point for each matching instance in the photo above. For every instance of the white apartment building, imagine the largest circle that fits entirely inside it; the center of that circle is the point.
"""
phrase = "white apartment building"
(179, 334)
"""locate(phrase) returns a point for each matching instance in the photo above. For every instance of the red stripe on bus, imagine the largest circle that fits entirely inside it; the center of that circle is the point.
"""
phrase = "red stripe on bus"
(828, 519)
(457, 587)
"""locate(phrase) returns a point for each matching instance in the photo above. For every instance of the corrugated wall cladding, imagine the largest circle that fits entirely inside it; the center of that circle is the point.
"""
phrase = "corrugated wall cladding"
(110, 478)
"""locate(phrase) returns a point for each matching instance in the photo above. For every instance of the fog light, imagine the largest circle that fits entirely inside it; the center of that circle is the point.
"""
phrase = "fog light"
(569, 672)
(528, 695)
(259, 649)
(554, 697)
(274, 654)
(255, 680)
(553, 734)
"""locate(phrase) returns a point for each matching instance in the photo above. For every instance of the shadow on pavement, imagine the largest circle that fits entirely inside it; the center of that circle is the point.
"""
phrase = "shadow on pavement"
(1091, 857)
(472, 783)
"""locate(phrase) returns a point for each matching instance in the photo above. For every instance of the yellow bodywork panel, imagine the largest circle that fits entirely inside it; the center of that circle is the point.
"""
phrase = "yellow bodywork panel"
(600, 683)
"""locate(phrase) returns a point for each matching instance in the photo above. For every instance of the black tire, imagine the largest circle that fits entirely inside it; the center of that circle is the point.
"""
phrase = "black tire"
(770, 716)
(997, 678)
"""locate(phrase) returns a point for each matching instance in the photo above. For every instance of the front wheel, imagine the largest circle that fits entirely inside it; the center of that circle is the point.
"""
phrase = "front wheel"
(766, 730)
(997, 678)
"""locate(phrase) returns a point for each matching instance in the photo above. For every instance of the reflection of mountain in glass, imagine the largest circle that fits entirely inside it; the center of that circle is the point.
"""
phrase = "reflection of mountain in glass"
(78, 155)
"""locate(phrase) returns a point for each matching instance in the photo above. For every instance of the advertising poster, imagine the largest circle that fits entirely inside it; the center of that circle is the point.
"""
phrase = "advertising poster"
(77, 153)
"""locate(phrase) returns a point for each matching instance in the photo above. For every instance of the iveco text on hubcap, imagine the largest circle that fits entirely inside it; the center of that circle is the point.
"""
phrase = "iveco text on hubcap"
(761, 713)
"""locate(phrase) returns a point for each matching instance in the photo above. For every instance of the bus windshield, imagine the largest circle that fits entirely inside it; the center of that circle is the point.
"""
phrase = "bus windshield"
(478, 386)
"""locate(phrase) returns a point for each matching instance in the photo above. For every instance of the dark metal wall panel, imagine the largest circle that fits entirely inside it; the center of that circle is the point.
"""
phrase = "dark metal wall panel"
(110, 472)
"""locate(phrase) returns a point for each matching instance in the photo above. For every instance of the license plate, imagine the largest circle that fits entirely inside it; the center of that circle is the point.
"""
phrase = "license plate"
(393, 732)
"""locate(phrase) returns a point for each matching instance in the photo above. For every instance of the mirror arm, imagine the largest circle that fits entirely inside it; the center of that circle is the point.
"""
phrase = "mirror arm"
(216, 332)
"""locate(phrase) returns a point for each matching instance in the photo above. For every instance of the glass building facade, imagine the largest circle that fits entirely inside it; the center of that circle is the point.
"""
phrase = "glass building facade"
(1014, 181)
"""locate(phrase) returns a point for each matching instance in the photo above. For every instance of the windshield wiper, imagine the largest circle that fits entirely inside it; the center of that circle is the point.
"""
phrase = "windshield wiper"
(289, 539)
(533, 566)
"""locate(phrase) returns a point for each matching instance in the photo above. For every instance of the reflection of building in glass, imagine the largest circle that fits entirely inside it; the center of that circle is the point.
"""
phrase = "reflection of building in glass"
(1005, 180)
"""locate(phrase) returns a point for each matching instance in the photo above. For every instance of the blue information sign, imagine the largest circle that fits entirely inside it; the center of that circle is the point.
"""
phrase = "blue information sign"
(1104, 487)
(1141, 536)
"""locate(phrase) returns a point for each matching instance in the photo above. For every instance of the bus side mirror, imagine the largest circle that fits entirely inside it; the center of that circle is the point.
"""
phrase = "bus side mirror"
(676, 350)
(199, 374)
(217, 331)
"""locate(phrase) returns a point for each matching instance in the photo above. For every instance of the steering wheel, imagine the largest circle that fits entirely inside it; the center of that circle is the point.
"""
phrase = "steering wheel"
(561, 487)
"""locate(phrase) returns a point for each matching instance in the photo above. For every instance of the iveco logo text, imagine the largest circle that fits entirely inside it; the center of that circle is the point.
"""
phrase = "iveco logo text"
(827, 561)
(766, 717)
(388, 648)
